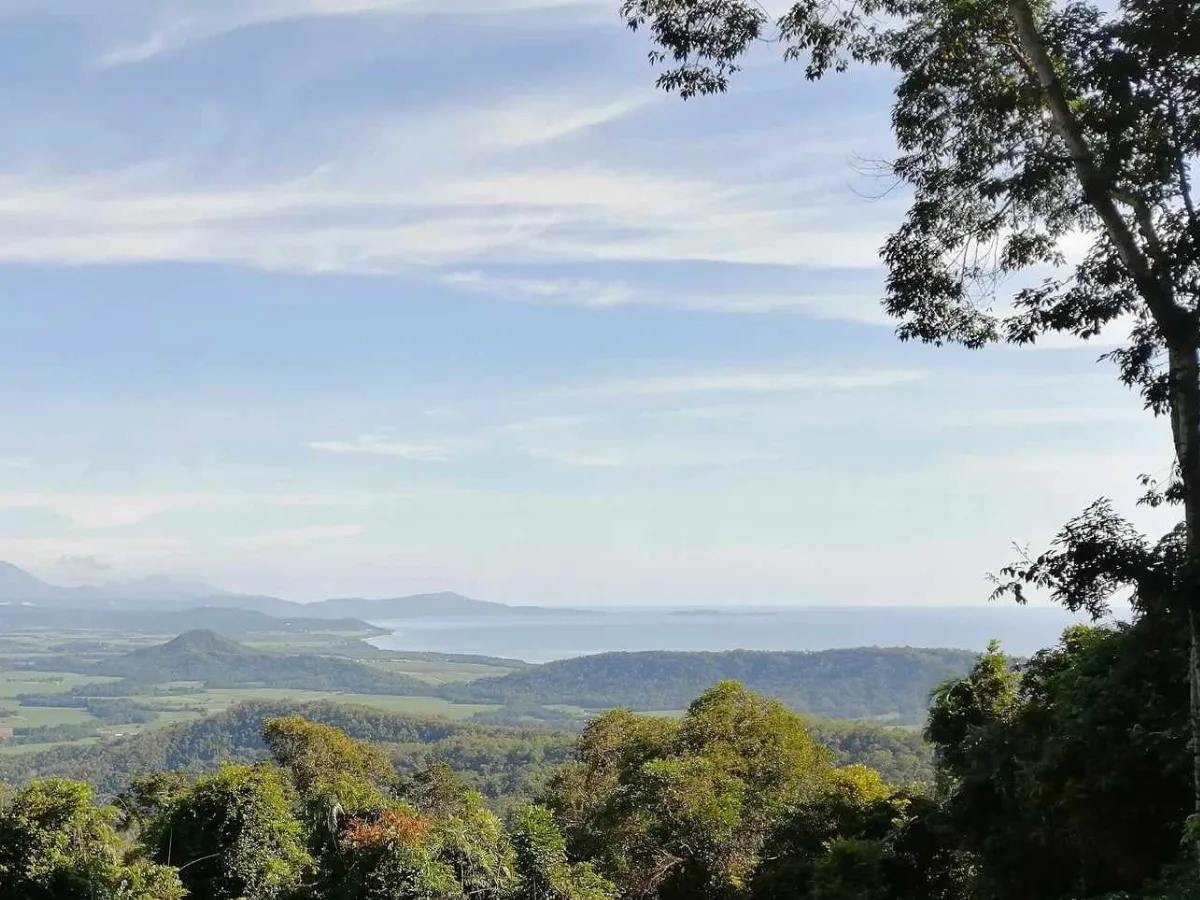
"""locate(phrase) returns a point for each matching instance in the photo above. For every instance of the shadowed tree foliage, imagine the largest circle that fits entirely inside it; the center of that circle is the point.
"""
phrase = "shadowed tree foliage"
(860, 839)
(1070, 779)
(1019, 123)
(148, 796)
(56, 845)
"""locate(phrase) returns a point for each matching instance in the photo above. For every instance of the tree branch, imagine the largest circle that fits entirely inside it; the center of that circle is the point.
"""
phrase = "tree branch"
(1181, 171)
(1169, 316)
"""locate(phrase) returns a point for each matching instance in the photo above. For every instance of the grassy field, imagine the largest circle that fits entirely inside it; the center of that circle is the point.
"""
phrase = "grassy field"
(32, 648)
(17, 749)
(439, 672)
(14, 683)
(32, 716)
(207, 702)
(219, 699)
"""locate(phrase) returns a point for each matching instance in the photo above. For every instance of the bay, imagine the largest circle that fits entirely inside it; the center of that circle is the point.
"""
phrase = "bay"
(540, 637)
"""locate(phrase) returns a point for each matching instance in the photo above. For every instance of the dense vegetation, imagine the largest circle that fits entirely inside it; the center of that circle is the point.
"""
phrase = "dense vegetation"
(844, 684)
(503, 763)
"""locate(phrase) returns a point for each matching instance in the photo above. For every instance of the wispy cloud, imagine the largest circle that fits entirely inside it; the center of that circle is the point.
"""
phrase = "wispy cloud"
(599, 294)
(541, 424)
(377, 445)
(286, 537)
(329, 223)
(44, 552)
(96, 511)
(214, 18)
(651, 457)
(753, 382)
(102, 510)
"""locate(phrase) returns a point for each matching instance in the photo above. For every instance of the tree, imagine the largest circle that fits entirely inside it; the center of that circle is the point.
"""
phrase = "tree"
(681, 809)
(1070, 779)
(55, 845)
(393, 855)
(1018, 123)
(147, 796)
(544, 871)
(234, 836)
(860, 839)
(334, 774)
(469, 837)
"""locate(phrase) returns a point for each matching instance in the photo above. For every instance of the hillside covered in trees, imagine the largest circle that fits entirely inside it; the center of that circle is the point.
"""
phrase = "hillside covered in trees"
(504, 763)
(217, 661)
(858, 683)
(887, 684)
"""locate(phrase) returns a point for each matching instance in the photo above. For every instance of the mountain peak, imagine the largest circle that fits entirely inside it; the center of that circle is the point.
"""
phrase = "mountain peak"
(18, 585)
(13, 574)
(201, 640)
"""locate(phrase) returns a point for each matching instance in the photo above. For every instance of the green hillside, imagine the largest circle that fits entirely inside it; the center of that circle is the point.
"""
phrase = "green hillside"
(502, 761)
(870, 682)
(217, 661)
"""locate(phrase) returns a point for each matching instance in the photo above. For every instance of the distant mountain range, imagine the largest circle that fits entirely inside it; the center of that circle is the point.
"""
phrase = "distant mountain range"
(19, 588)
(170, 620)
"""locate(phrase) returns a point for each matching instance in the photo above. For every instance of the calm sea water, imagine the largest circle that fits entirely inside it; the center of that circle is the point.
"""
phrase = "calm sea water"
(540, 638)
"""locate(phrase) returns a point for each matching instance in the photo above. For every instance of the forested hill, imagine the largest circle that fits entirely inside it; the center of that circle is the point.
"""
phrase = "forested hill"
(502, 762)
(220, 662)
(236, 736)
(867, 682)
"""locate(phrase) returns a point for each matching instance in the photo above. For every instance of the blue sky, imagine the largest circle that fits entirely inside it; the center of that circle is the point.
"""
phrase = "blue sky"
(333, 297)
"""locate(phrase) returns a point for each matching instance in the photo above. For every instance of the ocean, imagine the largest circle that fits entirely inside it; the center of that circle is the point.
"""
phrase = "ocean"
(541, 637)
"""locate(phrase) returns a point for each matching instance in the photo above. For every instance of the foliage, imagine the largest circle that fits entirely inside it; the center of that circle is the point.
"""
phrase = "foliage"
(543, 869)
(1004, 157)
(148, 797)
(857, 840)
(1071, 779)
(55, 845)
(901, 757)
(501, 762)
(392, 858)
(1065, 779)
(336, 775)
(474, 845)
(233, 836)
(681, 809)
(49, 734)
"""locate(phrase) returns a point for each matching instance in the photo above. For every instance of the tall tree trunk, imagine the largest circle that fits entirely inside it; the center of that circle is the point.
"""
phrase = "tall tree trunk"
(1185, 428)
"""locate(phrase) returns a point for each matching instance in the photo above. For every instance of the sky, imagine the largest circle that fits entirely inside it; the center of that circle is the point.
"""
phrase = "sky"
(369, 297)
